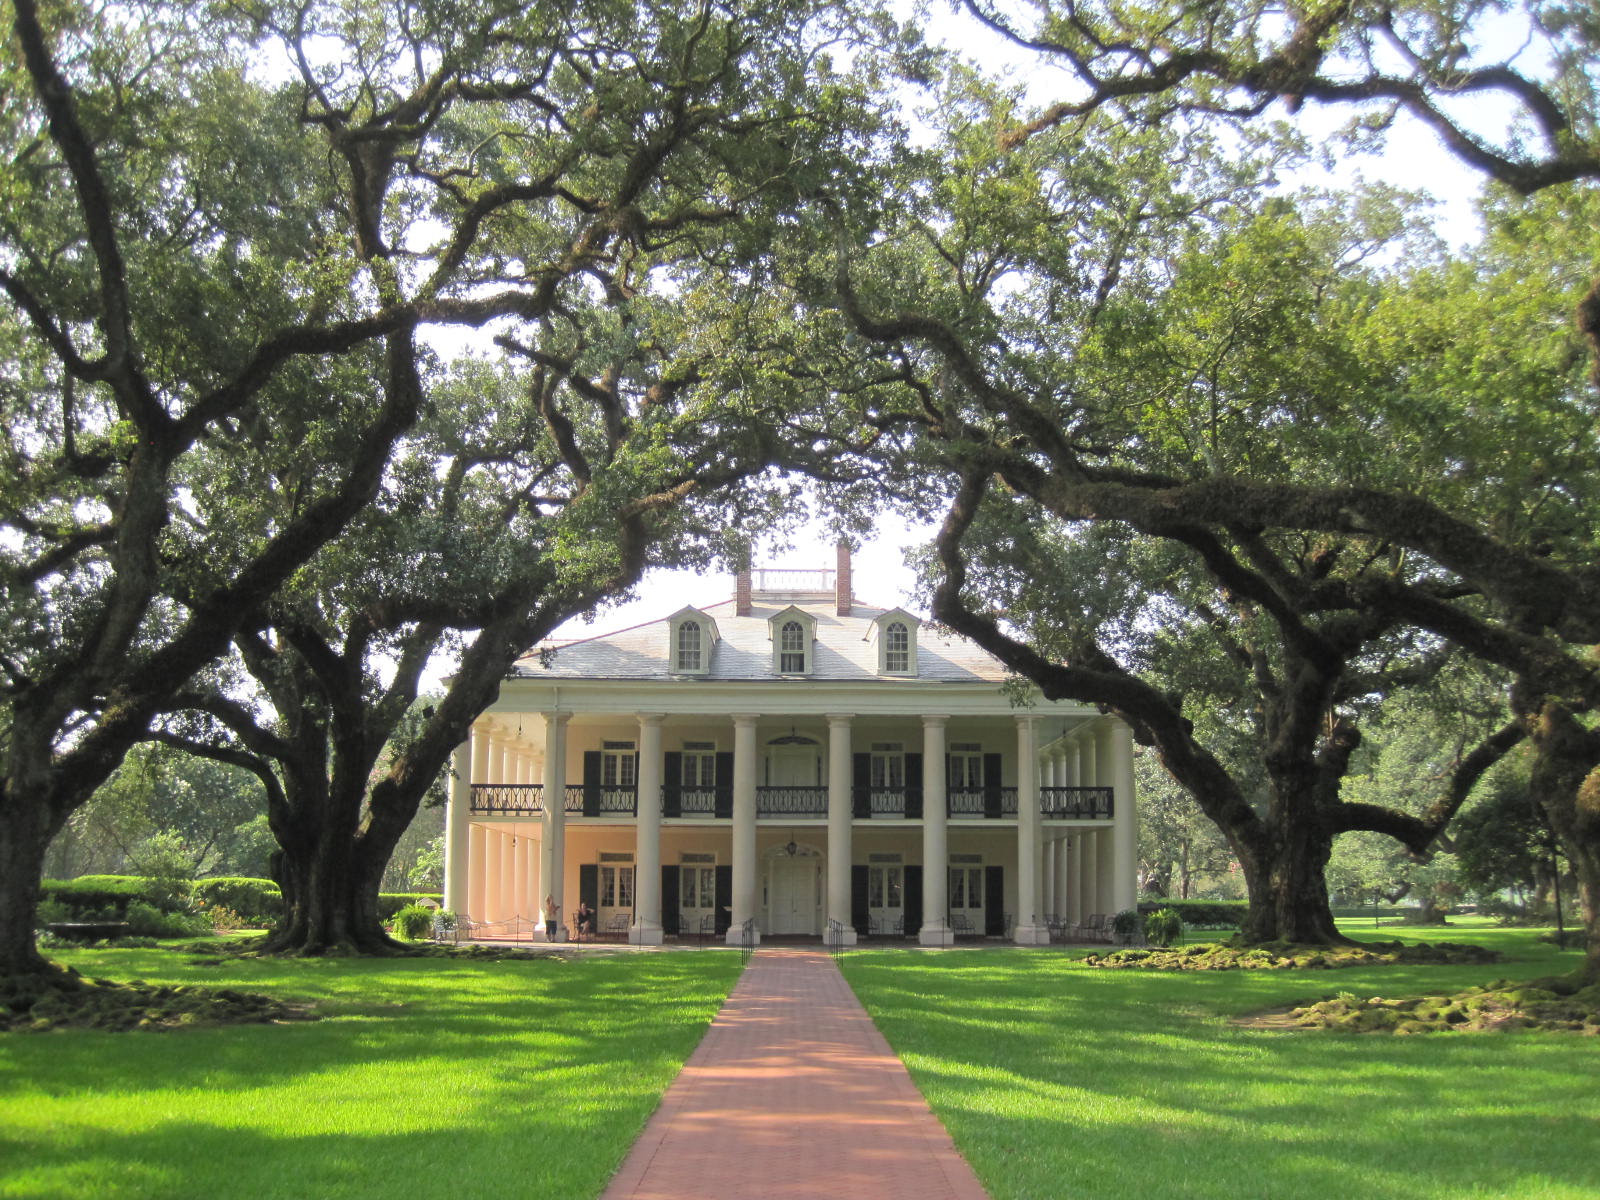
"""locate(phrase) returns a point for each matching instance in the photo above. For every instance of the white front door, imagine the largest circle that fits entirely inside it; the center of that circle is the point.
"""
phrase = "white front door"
(616, 897)
(792, 896)
(886, 901)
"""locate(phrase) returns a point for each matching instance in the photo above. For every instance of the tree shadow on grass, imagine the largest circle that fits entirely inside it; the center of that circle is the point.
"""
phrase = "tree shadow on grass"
(1058, 1080)
(421, 1082)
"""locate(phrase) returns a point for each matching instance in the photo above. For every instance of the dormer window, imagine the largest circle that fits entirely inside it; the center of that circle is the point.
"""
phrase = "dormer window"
(689, 652)
(895, 633)
(793, 633)
(691, 637)
(896, 648)
(792, 649)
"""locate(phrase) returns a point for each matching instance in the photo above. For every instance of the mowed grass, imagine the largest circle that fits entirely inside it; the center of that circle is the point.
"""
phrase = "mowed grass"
(446, 1078)
(1057, 1080)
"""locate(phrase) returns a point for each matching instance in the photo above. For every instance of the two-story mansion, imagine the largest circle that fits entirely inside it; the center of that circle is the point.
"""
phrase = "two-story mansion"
(795, 758)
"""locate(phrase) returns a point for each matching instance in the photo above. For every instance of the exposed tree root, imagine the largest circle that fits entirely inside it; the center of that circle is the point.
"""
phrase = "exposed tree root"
(1566, 1003)
(1285, 956)
(64, 999)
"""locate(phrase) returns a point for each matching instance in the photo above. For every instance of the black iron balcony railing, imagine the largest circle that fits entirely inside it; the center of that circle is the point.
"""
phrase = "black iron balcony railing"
(599, 800)
(520, 799)
(791, 801)
(868, 803)
(508, 799)
(715, 802)
(1075, 803)
(991, 802)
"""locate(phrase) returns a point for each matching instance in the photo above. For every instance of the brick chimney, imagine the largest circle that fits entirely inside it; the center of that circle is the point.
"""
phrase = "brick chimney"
(742, 605)
(841, 580)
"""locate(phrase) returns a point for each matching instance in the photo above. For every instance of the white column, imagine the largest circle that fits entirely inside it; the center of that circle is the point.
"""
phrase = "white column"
(478, 872)
(1030, 928)
(936, 929)
(1088, 881)
(1072, 887)
(1051, 848)
(841, 813)
(506, 884)
(646, 929)
(553, 852)
(1125, 829)
(1050, 777)
(519, 866)
(744, 825)
(457, 821)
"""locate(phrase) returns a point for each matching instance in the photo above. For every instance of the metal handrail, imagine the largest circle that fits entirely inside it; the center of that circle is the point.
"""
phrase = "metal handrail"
(511, 799)
(792, 801)
(1076, 803)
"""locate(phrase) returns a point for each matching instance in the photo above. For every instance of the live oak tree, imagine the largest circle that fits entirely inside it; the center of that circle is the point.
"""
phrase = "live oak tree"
(1112, 345)
(224, 233)
(641, 417)
(1533, 126)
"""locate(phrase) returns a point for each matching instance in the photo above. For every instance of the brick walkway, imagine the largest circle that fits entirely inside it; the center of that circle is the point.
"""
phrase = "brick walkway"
(793, 1093)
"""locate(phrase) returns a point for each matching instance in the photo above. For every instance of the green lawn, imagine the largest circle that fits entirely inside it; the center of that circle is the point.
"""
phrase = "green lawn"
(427, 1078)
(1058, 1080)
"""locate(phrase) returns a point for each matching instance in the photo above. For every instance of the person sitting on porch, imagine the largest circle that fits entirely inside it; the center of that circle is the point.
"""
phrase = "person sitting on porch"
(585, 918)
(552, 917)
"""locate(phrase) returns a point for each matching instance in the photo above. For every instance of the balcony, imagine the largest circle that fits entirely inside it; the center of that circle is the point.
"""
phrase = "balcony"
(1075, 803)
(791, 802)
(716, 803)
(519, 799)
(990, 802)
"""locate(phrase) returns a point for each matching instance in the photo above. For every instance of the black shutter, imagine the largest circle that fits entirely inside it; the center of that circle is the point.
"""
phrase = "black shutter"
(724, 898)
(992, 807)
(672, 784)
(588, 892)
(913, 901)
(861, 789)
(859, 917)
(591, 783)
(724, 795)
(669, 901)
(914, 786)
(635, 805)
(994, 899)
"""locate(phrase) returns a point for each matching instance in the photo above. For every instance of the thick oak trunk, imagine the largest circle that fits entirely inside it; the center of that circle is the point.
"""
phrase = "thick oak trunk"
(1288, 889)
(24, 841)
(330, 895)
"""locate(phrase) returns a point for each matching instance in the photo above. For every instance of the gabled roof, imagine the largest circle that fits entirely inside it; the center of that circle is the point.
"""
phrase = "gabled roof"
(842, 652)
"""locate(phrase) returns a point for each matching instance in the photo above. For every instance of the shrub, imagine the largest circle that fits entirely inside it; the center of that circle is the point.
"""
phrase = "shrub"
(222, 918)
(1203, 914)
(1163, 927)
(146, 920)
(105, 896)
(256, 901)
(1126, 926)
(413, 922)
(390, 903)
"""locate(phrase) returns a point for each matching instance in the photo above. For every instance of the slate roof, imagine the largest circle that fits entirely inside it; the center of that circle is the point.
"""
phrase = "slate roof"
(841, 652)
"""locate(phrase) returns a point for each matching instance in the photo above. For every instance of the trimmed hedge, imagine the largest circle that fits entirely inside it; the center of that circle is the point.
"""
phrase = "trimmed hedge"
(255, 899)
(258, 901)
(92, 893)
(1202, 914)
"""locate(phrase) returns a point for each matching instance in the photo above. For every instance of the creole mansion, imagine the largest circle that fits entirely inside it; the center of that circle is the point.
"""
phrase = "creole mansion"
(787, 763)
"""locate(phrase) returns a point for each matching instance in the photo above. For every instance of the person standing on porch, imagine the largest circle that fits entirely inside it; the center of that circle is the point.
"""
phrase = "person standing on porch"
(552, 917)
